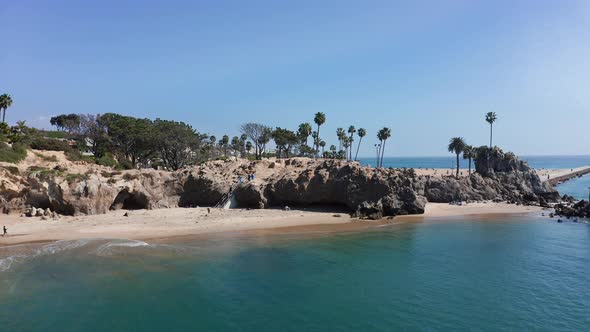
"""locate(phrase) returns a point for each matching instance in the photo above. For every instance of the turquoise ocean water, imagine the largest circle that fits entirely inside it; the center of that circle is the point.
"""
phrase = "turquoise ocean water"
(510, 274)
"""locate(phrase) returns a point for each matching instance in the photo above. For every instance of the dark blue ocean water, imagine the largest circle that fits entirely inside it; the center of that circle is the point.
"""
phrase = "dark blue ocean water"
(547, 162)
(509, 274)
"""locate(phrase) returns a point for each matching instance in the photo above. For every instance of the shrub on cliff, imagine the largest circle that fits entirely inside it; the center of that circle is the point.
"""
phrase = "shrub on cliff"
(50, 145)
(107, 160)
(13, 154)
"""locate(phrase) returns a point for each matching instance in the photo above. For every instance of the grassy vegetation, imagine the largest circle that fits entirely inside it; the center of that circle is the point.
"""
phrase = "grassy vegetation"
(46, 158)
(13, 154)
(71, 178)
(54, 134)
(107, 160)
(50, 145)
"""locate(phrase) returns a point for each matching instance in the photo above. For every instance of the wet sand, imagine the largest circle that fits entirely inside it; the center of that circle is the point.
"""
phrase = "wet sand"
(178, 222)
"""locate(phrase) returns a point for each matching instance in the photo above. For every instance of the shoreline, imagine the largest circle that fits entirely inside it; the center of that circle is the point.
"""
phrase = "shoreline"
(165, 224)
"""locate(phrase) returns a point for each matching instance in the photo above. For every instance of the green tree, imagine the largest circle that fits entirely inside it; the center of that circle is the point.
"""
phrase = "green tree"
(361, 133)
(284, 139)
(92, 135)
(66, 122)
(243, 139)
(5, 103)
(382, 135)
(469, 153)
(178, 144)
(259, 134)
(319, 119)
(223, 143)
(248, 147)
(323, 145)
(304, 131)
(265, 138)
(457, 145)
(491, 118)
(333, 151)
(236, 144)
(351, 131)
(130, 138)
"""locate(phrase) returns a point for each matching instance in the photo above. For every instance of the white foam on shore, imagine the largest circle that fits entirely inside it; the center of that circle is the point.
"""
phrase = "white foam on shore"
(49, 249)
(65, 245)
(107, 248)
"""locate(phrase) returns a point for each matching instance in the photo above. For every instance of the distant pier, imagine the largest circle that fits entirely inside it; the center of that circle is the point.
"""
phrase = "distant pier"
(555, 177)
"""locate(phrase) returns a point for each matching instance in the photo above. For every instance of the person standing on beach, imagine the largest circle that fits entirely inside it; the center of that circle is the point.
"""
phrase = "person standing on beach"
(5, 231)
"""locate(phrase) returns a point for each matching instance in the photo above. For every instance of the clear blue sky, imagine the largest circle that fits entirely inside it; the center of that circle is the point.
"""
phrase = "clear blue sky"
(429, 70)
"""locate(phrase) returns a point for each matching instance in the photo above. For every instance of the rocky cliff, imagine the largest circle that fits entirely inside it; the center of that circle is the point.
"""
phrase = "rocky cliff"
(296, 182)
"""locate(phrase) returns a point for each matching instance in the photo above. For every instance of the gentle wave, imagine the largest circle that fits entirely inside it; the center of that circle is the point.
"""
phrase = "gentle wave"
(107, 248)
(66, 245)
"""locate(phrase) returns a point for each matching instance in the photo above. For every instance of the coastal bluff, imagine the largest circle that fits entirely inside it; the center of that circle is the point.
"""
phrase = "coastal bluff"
(295, 182)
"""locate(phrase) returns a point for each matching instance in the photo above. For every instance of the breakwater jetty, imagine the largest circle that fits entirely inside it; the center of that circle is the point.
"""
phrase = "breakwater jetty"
(561, 176)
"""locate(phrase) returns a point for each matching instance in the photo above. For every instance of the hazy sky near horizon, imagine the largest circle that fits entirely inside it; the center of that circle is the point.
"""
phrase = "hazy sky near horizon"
(429, 70)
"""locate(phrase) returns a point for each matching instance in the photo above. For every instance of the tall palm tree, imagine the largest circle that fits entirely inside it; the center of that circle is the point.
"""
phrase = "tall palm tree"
(322, 144)
(340, 134)
(383, 135)
(5, 102)
(378, 150)
(223, 143)
(362, 133)
(319, 119)
(248, 147)
(243, 139)
(351, 131)
(491, 118)
(457, 145)
(304, 131)
(469, 153)
(343, 154)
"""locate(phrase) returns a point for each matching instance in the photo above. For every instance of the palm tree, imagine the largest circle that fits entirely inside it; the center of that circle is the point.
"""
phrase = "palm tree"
(248, 147)
(319, 119)
(322, 144)
(362, 132)
(377, 149)
(469, 153)
(383, 135)
(5, 102)
(332, 151)
(457, 145)
(304, 131)
(491, 118)
(340, 134)
(351, 131)
(223, 143)
(243, 139)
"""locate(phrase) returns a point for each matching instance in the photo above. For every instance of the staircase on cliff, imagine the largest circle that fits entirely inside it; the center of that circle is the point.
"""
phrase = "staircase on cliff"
(227, 200)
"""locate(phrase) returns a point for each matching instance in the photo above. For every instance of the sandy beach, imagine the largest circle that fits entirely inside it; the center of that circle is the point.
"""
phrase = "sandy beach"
(162, 223)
